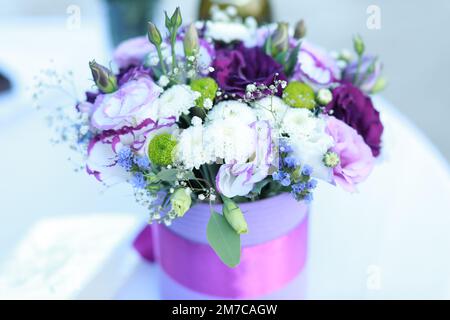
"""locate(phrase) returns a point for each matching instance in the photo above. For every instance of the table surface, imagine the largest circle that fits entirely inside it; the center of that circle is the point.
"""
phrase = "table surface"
(390, 240)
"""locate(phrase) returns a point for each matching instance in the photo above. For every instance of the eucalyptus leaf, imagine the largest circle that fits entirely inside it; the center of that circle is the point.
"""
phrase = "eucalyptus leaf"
(224, 240)
(168, 175)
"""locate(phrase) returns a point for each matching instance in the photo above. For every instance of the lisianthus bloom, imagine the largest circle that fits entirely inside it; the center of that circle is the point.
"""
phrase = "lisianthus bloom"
(132, 52)
(123, 107)
(104, 149)
(237, 178)
(132, 73)
(355, 157)
(366, 74)
(350, 105)
(315, 66)
(235, 69)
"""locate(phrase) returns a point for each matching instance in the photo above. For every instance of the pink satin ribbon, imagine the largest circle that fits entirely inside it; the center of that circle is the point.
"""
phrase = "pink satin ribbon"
(264, 268)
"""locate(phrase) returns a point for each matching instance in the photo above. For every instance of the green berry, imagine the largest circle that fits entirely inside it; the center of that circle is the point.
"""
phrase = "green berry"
(207, 87)
(299, 95)
(160, 149)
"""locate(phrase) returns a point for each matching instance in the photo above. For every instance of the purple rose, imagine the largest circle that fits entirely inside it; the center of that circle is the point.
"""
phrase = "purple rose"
(236, 68)
(356, 160)
(350, 105)
(365, 81)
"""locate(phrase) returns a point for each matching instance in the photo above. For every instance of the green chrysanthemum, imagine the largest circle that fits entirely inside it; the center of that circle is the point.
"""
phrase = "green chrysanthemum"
(160, 149)
(207, 87)
(299, 95)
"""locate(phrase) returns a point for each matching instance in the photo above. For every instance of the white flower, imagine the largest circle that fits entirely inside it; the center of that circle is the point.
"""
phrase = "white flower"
(239, 178)
(272, 109)
(228, 31)
(299, 123)
(207, 104)
(190, 151)
(231, 140)
(175, 101)
(232, 110)
(309, 140)
(163, 81)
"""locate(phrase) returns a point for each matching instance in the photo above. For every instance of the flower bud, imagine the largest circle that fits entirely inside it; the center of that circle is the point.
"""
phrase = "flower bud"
(234, 216)
(300, 30)
(176, 19)
(331, 159)
(280, 38)
(167, 21)
(105, 80)
(181, 201)
(190, 41)
(154, 36)
(324, 96)
(358, 45)
(379, 85)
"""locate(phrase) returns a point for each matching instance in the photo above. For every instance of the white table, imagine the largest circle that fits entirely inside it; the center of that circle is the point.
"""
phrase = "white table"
(391, 240)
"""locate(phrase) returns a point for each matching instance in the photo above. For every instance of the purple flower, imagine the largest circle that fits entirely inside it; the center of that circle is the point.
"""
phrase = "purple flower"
(138, 180)
(308, 197)
(283, 177)
(236, 68)
(122, 107)
(316, 67)
(290, 162)
(132, 73)
(307, 170)
(132, 52)
(299, 187)
(365, 78)
(124, 158)
(350, 105)
(356, 160)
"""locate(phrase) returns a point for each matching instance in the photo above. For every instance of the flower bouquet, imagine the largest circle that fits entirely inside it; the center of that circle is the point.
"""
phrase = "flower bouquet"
(223, 128)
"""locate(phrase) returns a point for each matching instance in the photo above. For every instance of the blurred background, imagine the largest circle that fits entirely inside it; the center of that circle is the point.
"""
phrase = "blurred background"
(36, 180)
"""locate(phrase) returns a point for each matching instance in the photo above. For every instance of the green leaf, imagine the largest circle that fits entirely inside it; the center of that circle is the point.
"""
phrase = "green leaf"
(268, 46)
(259, 185)
(224, 240)
(292, 60)
(168, 175)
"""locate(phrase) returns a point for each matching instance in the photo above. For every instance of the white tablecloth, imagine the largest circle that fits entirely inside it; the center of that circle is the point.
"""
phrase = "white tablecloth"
(390, 240)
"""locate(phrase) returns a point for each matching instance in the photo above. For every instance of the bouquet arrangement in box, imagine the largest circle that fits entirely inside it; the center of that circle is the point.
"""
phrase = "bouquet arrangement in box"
(226, 111)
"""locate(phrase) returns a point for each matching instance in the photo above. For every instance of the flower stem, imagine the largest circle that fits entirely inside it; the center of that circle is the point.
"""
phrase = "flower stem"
(161, 60)
(172, 44)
